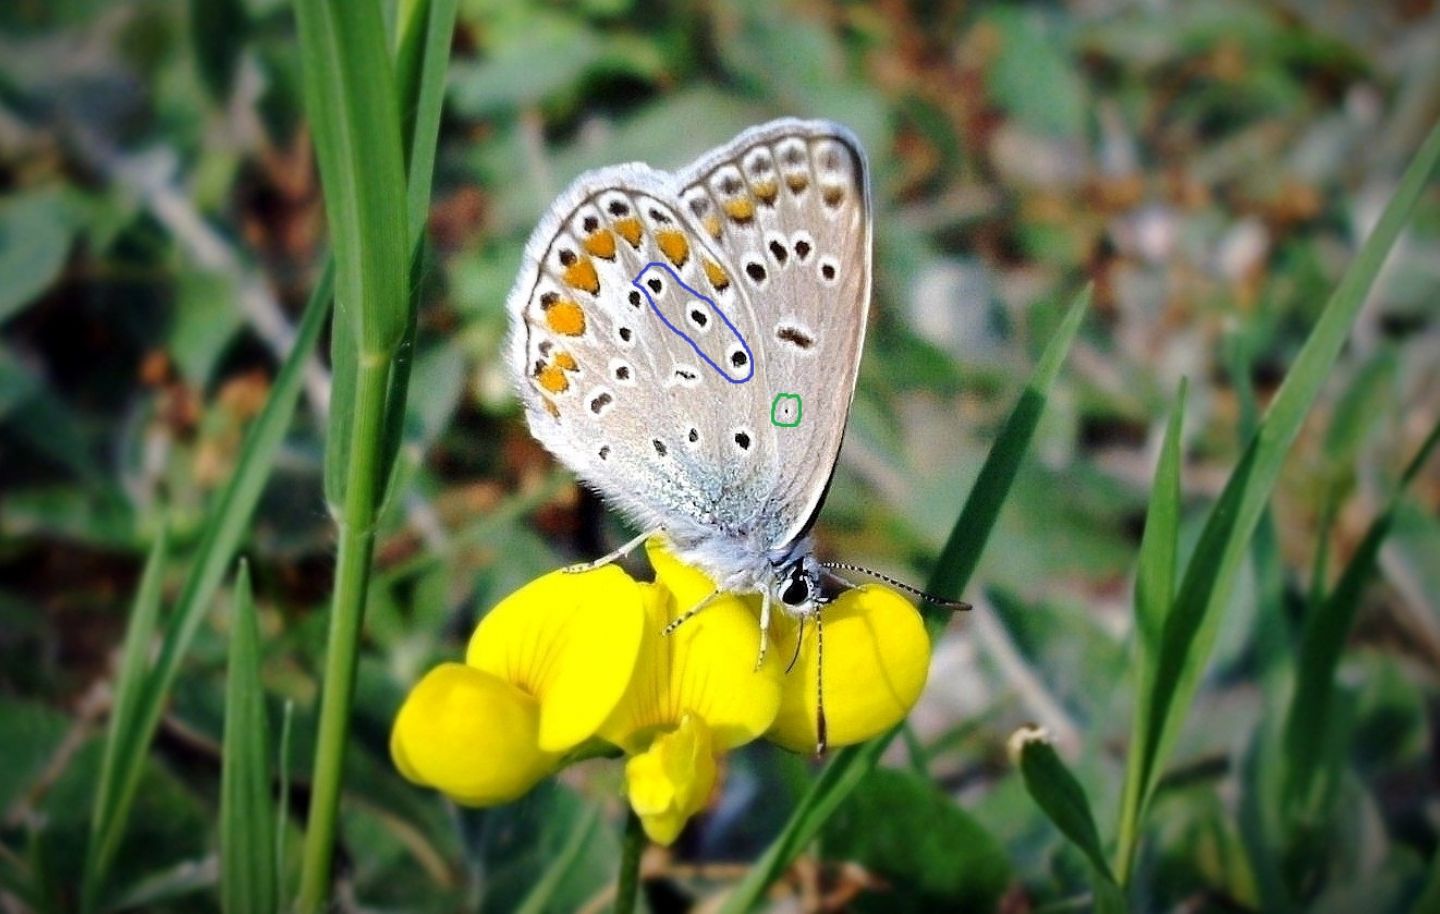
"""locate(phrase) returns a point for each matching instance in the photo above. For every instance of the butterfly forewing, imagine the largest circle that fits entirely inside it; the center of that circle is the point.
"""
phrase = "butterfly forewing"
(660, 317)
(608, 387)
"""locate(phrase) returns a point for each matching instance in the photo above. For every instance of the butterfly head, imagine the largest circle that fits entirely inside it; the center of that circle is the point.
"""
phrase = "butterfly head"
(802, 586)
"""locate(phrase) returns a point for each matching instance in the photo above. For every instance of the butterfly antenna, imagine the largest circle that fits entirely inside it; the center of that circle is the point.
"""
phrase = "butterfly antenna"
(960, 605)
(820, 736)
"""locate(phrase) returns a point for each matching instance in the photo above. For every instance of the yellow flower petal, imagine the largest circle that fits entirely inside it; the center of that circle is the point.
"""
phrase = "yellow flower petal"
(571, 641)
(469, 735)
(672, 780)
(705, 667)
(877, 657)
(689, 585)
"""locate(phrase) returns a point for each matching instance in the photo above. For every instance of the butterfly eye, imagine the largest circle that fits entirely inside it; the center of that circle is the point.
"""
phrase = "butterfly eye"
(796, 592)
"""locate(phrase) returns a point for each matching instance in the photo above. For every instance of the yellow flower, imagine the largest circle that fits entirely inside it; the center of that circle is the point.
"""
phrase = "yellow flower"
(470, 735)
(544, 670)
(695, 693)
(876, 659)
(572, 658)
(671, 781)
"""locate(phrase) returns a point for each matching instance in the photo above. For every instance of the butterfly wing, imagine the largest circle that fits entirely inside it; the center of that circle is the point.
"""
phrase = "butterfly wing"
(788, 203)
(654, 325)
(610, 387)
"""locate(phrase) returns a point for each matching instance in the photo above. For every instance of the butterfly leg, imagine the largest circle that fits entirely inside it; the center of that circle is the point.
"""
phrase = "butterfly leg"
(612, 556)
(689, 614)
(764, 627)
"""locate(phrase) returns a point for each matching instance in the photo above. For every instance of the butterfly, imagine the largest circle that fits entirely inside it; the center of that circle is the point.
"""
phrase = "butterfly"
(688, 344)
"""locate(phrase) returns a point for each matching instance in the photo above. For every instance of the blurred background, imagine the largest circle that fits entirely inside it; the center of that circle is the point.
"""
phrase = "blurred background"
(1210, 166)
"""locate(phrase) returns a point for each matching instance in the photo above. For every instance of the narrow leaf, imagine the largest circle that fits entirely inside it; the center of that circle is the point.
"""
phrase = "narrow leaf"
(957, 563)
(247, 833)
(1192, 624)
(344, 369)
(351, 101)
(1309, 721)
(352, 97)
(228, 522)
(1154, 593)
(422, 61)
(282, 801)
(1058, 794)
(1155, 578)
(422, 58)
(129, 684)
(966, 543)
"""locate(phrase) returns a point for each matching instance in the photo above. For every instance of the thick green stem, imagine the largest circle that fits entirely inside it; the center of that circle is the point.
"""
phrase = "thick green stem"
(347, 614)
(1129, 838)
(627, 891)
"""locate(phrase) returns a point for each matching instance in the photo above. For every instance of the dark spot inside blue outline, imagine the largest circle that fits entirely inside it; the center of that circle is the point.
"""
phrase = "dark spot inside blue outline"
(750, 360)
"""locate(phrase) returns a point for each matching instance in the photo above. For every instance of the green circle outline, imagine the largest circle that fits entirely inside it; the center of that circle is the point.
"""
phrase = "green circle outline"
(775, 405)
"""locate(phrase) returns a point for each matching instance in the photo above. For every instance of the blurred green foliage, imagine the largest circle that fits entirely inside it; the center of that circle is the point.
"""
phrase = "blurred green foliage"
(1211, 167)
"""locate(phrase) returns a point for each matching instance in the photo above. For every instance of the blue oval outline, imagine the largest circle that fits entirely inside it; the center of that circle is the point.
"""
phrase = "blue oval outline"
(685, 336)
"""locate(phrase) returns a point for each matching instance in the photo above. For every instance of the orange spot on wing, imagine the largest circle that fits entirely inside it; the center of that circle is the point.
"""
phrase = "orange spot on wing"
(550, 407)
(740, 209)
(581, 274)
(565, 317)
(552, 379)
(674, 245)
(629, 229)
(712, 225)
(601, 243)
(566, 361)
(797, 183)
(716, 275)
(766, 191)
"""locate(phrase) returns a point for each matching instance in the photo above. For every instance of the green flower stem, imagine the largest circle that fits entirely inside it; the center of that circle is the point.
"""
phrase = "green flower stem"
(352, 576)
(627, 891)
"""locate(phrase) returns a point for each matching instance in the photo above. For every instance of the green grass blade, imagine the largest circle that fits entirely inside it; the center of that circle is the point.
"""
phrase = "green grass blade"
(422, 59)
(1059, 795)
(1271, 637)
(282, 801)
(352, 100)
(1159, 544)
(352, 105)
(957, 563)
(423, 53)
(344, 365)
(962, 551)
(1194, 620)
(1363, 404)
(1154, 594)
(227, 524)
(1308, 722)
(426, 30)
(129, 686)
(247, 834)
